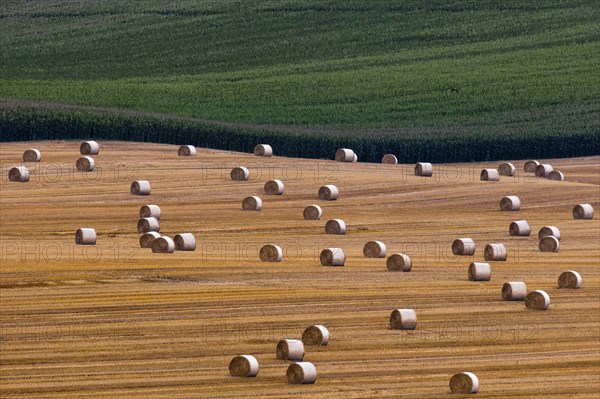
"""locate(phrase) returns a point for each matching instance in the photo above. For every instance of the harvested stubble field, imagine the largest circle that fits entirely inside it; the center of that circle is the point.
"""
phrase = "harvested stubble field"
(113, 320)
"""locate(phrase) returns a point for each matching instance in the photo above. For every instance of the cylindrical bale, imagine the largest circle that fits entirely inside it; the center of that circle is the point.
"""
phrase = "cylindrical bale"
(569, 279)
(328, 193)
(263, 150)
(403, 319)
(519, 228)
(150, 211)
(85, 236)
(145, 225)
(463, 246)
(355, 158)
(530, 166)
(549, 231)
(332, 257)
(301, 373)
(583, 211)
(495, 252)
(374, 249)
(335, 226)
(164, 245)
(344, 155)
(510, 203)
(185, 242)
(240, 173)
(316, 335)
(549, 244)
(479, 271)
(464, 383)
(313, 212)
(506, 169)
(85, 164)
(148, 238)
(271, 253)
(252, 203)
(423, 169)
(399, 262)
(243, 366)
(556, 175)
(186, 151)
(32, 155)
(274, 187)
(18, 174)
(140, 187)
(489, 175)
(89, 148)
(514, 291)
(542, 170)
(389, 159)
(537, 300)
(290, 349)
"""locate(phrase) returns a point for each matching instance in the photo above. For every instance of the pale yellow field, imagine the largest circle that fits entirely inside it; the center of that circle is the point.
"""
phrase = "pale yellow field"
(113, 320)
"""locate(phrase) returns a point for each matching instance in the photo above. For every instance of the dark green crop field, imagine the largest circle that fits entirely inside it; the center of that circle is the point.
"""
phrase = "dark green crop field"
(506, 78)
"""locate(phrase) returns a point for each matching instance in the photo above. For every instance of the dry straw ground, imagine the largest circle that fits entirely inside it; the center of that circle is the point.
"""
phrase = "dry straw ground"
(113, 320)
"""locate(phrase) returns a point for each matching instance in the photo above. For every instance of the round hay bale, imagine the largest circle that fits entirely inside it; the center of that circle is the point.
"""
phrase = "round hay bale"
(403, 319)
(301, 373)
(495, 252)
(542, 170)
(506, 169)
(32, 155)
(252, 203)
(479, 271)
(271, 253)
(140, 187)
(463, 246)
(355, 158)
(489, 175)
(389, 159)
(514, 291)
(18, 174)
(569, 279)
(374, 249)
(335, 226)
(316, 335)
(549, 231)
(345, 155)
(148, 238)
(186, 151)
(583, 211)
(519, 228)
(556, 175)
(240, 173)
(263, 150)
(549, 244)
(399, 263)
(510, 203)
(243, 366)
(328, 193)
(185, 242)
(332, 257)
(313, 212)
(274, 187)
(89, 148)
(530, 166)
(424, 169)
(85, 236)
(464, 383)
(290, 349)
(85, 164)
(163, 245)
(150, 211)
(146, 225)
(537, 300)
